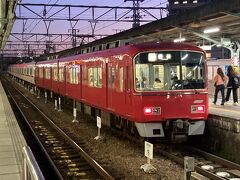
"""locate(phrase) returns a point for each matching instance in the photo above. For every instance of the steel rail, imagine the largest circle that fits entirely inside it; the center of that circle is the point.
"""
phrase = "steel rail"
(91, 161)
(33, 132)
(225, 163)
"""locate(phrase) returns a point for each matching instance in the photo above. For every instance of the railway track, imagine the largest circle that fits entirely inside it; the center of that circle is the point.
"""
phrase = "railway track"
(68, 159)
(207, 166)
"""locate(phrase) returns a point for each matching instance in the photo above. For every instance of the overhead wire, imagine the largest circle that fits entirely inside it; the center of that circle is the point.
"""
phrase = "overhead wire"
(35, 19)
(87, 26)
(41, 19)
(125, 11)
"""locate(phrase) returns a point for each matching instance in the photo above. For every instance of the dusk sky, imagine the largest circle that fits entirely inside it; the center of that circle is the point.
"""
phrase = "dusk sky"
(84, 27)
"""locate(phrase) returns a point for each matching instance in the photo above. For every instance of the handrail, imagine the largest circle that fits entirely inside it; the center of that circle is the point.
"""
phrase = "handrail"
(31, 169)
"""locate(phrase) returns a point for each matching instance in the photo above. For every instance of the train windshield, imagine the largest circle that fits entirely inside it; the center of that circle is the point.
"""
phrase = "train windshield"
(169, 70)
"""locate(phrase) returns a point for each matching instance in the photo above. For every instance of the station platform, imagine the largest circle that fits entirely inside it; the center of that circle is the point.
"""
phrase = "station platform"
(228, 110)
(11, 141)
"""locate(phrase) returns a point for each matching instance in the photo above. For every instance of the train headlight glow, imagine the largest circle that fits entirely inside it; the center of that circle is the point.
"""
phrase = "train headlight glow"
(148, 110)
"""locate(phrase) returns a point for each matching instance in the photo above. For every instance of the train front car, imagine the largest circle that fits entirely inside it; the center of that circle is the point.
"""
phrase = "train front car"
(171, 98)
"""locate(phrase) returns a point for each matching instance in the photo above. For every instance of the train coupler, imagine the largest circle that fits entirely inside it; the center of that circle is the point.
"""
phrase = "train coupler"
(179, 131)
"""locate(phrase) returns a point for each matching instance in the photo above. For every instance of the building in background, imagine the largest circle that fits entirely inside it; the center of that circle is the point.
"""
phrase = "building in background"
(180, 6)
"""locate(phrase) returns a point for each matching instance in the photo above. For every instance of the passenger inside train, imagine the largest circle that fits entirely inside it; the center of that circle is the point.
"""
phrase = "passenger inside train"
(177, 70)
(157, 83)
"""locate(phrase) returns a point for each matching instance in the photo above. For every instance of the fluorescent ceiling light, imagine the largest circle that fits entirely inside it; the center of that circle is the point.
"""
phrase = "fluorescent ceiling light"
(211, 30)
(179, 39)
(206, 47)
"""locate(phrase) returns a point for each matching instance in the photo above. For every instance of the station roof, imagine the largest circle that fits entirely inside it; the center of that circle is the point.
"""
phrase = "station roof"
(7, 13)
(190, 25)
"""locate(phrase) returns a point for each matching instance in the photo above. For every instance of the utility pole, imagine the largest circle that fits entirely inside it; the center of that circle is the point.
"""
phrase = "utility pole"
(74, 36)
(136, 13)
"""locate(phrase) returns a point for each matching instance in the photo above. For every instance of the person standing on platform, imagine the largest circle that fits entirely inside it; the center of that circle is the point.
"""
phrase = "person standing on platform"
(219, 80)
(231, 86)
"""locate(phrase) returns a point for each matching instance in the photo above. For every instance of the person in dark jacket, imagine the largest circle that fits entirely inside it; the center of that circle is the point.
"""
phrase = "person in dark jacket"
(231, 85)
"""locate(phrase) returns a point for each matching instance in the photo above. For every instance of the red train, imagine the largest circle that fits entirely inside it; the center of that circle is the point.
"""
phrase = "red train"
(158, 89)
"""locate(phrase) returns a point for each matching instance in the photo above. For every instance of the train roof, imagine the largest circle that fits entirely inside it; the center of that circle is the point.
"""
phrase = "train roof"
(168, 46)
(131, 49)
(24, 64)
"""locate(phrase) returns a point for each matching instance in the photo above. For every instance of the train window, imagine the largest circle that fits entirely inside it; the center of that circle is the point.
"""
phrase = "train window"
(111, 77)
(74, 73)
(117, 43)
(55, 74)
(99, 77)
(61, 74)
(90, 76)
(95, 77)
(169, 70)
(40, 72)
(31, 71)
(121, 79)
(47, 73)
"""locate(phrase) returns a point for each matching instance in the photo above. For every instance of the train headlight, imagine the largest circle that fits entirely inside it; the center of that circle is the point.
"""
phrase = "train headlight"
(148, 110)
(152, 110)
(197, 109)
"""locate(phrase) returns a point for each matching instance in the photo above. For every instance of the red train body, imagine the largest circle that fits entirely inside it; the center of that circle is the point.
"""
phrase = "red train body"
(159, 88)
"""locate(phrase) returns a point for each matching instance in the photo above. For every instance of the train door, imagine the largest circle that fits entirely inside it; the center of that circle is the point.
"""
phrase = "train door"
(80, 76)
(106, 85)
(110, 84)
(65, 79)
(128, 91)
